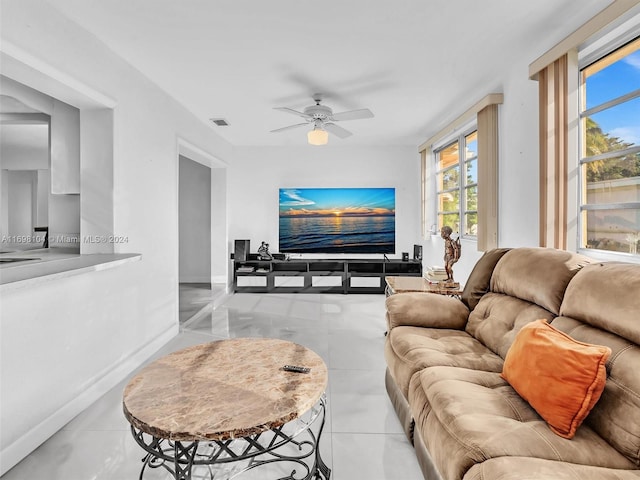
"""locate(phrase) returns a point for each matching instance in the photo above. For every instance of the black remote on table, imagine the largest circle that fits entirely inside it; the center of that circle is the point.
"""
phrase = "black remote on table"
(295, 368)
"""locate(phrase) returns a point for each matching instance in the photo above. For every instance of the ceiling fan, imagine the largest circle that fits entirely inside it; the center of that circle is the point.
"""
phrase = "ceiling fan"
(322, 119)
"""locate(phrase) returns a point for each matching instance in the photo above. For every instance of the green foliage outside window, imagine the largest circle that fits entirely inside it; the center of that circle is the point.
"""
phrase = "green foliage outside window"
(457, 189)
(598, 142)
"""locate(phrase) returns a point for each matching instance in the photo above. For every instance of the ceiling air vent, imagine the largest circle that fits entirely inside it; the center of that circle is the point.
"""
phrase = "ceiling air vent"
(220, 122)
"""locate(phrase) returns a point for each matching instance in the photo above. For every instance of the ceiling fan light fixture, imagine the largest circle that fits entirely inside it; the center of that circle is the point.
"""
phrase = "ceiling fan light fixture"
(318, 136)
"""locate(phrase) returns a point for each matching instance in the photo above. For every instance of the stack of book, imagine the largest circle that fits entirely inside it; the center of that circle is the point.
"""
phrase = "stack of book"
(245, 269)
(436, 274)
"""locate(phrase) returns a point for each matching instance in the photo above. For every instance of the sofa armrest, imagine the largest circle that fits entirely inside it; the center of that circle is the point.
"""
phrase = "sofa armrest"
(426, 310)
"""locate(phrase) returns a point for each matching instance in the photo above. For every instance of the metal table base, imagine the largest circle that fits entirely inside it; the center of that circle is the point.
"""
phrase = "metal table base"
(293, 444)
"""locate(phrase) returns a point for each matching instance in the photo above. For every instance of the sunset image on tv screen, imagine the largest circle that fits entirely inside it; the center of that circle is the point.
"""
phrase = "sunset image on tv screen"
(337, 220)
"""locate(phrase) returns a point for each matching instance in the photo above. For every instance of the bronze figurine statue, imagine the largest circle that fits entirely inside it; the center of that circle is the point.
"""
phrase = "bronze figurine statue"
(452, 250)
(263, 252)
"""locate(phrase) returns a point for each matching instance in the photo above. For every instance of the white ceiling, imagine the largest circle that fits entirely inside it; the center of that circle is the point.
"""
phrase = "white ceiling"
(409, 61)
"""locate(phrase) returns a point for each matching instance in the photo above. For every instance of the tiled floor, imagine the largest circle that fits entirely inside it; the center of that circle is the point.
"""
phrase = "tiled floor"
(197, 299)
(363, 438)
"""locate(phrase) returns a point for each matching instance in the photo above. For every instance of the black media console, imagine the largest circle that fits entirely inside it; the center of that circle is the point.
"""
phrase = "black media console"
(319, 276)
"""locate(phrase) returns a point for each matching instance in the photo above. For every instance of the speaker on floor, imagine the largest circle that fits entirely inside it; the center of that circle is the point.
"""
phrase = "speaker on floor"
(417, 252)
(241, 251)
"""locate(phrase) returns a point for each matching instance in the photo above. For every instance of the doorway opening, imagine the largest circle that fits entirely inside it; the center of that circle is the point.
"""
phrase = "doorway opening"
(194, 237)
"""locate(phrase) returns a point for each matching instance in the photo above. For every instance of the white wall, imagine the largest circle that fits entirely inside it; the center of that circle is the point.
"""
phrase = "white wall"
(123, 312)
(42, 209)
(519, 160)
(64, 220)
(65, 149)
(258, 172)
(21, 202)
(34, 156)
(195, 222)
(219, 226)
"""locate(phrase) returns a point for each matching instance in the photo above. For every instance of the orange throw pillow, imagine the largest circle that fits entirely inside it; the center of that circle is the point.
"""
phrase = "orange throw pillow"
(561, 378)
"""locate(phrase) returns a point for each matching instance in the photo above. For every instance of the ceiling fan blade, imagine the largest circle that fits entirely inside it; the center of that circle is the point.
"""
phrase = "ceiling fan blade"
(289, 127)
(353, 115)
(337, 130)
(295, 112)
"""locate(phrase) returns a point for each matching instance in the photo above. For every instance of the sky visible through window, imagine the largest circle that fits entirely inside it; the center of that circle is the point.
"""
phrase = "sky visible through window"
(619, 78)
(611, 218)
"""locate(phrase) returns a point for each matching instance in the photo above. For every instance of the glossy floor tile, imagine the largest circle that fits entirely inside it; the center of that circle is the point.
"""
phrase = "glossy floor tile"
(362, 438)
(197, 298)
(373, 457)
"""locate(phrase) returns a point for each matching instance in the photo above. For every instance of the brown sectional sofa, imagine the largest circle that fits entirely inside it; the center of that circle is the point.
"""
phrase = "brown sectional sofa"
(444, 358)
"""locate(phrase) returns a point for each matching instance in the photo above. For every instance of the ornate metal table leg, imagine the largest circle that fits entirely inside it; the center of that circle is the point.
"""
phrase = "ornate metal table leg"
(183, 457)
(177, 457)
(321, 469)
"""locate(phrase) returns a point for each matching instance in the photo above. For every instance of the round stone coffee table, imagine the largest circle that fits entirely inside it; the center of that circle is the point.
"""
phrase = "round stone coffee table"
(229, 407)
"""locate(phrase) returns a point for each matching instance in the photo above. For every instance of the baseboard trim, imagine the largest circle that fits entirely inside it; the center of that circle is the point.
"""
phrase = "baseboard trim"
(195, 279)
(220, 299)
(32, 439)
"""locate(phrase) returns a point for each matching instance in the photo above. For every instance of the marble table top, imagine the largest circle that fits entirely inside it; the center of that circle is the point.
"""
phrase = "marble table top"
(420, 284)
(224, 389)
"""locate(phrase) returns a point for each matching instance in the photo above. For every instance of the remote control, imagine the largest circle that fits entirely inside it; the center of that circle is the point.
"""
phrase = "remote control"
(296, 368)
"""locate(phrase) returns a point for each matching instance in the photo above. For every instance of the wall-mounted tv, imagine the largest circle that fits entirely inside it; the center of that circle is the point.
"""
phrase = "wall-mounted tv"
(337, 220)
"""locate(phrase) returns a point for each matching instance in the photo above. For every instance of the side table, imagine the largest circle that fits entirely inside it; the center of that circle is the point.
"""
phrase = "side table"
(228, 407)
(419, 284)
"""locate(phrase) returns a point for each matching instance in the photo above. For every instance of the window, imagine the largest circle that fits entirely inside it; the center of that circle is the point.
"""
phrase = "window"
(457, 184)
(610, 151)
(462, 191)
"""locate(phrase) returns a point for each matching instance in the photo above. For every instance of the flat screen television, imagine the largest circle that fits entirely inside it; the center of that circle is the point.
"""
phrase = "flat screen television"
(337, 220)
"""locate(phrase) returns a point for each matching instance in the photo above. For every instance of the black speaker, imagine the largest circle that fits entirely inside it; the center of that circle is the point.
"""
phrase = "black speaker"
(405, 256)
(241, 251)
(417, 252)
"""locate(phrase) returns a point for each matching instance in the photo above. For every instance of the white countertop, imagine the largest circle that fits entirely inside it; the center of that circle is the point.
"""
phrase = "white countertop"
(47, 264)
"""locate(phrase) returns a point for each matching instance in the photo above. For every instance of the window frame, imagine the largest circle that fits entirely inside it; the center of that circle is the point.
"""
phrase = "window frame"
(462, 187)
(583, 208)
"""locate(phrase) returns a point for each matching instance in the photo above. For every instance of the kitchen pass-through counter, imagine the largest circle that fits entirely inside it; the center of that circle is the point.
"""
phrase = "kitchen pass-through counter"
(27, 267)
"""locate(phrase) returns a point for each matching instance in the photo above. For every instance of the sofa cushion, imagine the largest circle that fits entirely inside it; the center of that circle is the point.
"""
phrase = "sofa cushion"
(561, 378)
(537, 275)
(606, 296)
(526, 468)
(480, 277)
(602, 305)
(469, 416)
(410, 349)
(616, 416)
(425, 310)
(498, 318)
